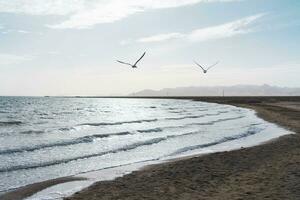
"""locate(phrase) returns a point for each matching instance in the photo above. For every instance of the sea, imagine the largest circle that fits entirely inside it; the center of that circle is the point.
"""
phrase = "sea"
(46, 138)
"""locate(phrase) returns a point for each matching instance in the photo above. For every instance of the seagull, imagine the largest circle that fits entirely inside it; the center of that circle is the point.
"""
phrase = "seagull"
(134, 65)
(205, 70)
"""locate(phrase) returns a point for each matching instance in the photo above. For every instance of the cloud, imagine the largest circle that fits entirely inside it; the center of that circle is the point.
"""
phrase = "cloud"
(87, 13)
(42, 7)
(23, 31)
(7, 31)
(9, 59)
(230, 29)
(161, 37)
(126, 42)
(237, 27)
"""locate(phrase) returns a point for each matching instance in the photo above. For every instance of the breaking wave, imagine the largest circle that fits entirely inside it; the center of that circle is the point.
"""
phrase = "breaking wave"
(117, 123)
(249, 132)
(10, 123)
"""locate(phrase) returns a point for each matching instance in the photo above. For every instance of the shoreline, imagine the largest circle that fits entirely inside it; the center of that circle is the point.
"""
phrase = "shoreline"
(267, 171)
(206, 161)
(28, 190)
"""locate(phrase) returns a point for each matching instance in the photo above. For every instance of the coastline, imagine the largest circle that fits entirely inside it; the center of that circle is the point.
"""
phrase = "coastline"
(267, 171)
(270, 170)
(31, 189)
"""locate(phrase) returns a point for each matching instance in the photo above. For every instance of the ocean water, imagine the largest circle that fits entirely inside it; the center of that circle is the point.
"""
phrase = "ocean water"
(46, 138)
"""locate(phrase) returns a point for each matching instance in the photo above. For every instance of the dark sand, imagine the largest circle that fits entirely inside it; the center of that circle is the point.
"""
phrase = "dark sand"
(268, 171)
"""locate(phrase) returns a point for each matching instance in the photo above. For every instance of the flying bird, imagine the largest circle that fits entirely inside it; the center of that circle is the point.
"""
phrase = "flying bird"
(132, 65)
(205, 70)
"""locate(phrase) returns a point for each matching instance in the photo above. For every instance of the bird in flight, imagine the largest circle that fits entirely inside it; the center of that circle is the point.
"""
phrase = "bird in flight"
(205, 70)
(135, 64)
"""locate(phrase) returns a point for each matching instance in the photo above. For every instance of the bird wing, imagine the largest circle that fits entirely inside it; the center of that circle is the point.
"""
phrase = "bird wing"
(139, 59)
(199, 65)
(124, 63)
(212, 65)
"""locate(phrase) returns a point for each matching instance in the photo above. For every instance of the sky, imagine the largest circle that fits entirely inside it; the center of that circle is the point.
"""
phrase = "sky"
(70, 47)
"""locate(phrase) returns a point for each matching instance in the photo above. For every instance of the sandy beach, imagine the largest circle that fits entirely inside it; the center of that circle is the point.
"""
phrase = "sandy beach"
(268, 171)
(149, 100)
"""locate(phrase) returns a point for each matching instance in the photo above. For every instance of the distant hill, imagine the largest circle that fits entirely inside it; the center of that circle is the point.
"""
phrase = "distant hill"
(237, 90)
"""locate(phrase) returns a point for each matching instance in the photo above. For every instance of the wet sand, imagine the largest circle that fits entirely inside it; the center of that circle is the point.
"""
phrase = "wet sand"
(268, 171)
(31, 189)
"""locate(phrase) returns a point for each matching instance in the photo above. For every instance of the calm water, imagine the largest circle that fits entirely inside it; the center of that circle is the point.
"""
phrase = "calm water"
(46, 138)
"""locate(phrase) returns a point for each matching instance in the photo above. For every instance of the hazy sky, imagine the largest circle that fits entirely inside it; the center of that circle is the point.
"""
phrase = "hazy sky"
(69, 47)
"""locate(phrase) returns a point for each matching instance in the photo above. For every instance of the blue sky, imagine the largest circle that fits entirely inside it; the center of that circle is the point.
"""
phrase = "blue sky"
(69, 47)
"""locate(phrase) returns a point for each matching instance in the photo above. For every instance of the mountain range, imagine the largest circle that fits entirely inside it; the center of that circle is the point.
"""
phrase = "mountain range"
(236, 90)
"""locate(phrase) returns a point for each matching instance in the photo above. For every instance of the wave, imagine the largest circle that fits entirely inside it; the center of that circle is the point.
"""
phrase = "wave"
(56, 162)
(46, 117)
(102, 124)
(140, 121)
(216, 121)
(80, 140)
(172, 108)
(104, 111)
(10, 123)
(41, 114)
(223, 140)
(117, 123)
(184, 117)
(85, 139)
(31, 132)
(134, 146)
(62, 113)
(150, 130)
(203, 109)
(91, 138)
(178, 111)
(66, 129)
(43, 146)
(225, 111)
(192, 116)
(125, 148)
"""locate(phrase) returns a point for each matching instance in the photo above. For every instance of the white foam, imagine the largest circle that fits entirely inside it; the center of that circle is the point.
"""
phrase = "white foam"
(60, 191)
